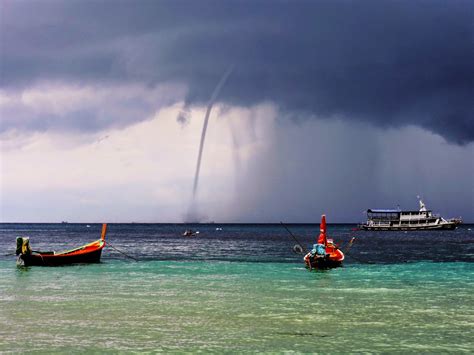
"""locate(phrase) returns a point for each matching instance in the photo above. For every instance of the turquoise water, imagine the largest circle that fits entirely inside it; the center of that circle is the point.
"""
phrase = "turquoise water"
(219, 306)
(239, 289)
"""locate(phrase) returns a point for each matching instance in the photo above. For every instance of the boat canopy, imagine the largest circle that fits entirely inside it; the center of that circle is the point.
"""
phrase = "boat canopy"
(383, 211)
(396, 211)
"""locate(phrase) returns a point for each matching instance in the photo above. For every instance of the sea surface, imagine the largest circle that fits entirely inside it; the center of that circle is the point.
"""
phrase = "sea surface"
(239, 289)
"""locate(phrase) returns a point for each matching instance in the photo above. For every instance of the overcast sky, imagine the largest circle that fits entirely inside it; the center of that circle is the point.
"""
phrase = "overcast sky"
(331, 107)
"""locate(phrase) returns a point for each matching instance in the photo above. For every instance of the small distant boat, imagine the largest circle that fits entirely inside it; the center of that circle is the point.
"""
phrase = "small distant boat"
(190, 233)
(456, 221)
(396, 220)
(325, 253)
(89, 253)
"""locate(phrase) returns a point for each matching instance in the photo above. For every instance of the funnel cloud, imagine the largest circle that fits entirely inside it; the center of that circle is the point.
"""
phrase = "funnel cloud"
(214, 95)
(334, 107)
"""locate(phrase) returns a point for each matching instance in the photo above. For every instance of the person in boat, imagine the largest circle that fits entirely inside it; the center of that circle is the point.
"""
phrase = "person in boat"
(23, 246)
(318, 252)
(319, 249)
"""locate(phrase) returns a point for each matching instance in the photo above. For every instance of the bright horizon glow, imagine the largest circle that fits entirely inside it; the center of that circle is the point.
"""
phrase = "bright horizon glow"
(256, 168)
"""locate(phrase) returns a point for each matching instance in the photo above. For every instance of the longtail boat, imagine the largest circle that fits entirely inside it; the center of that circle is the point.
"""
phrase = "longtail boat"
(325, 254)
(89, 253)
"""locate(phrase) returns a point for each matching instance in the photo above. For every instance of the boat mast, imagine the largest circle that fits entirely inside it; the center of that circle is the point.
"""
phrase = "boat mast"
(422, 205)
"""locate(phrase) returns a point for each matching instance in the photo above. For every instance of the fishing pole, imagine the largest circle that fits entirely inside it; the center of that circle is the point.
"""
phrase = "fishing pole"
(346, 252)
(301, 245)
(349, 245)
(121, 252)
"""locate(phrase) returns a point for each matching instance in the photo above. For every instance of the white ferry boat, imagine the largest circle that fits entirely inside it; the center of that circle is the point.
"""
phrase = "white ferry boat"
(393, 220)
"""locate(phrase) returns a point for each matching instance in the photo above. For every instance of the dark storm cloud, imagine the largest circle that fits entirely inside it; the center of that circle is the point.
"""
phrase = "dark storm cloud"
(390, 63)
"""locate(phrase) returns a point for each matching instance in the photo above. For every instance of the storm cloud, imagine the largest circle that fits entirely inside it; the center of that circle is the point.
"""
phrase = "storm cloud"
(390, 63)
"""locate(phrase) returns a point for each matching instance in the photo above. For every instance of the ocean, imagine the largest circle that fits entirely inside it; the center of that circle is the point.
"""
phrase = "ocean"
(239, 289)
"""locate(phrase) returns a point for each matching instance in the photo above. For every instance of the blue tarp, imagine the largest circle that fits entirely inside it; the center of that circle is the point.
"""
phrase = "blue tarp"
(318, 249)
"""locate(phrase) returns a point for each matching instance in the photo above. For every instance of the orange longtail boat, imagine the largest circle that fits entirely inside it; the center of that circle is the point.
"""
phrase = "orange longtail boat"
(325, 254)
(89, 253)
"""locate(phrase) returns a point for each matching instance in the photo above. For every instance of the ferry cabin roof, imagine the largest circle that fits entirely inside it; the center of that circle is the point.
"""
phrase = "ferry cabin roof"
(396, 211)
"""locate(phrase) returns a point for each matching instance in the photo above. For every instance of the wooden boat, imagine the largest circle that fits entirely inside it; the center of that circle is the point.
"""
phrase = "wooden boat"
(325, 254)
(89, 253)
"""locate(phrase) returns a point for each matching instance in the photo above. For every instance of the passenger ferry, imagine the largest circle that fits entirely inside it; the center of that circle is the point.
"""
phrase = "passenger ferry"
(393, 220)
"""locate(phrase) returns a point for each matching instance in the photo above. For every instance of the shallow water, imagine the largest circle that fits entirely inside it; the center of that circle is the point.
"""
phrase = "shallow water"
(240, 289)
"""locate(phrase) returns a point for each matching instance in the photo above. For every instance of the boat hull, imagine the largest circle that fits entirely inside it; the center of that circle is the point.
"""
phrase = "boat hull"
(324, 263)
(445, 226)
(59, 260)
(332, 260)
